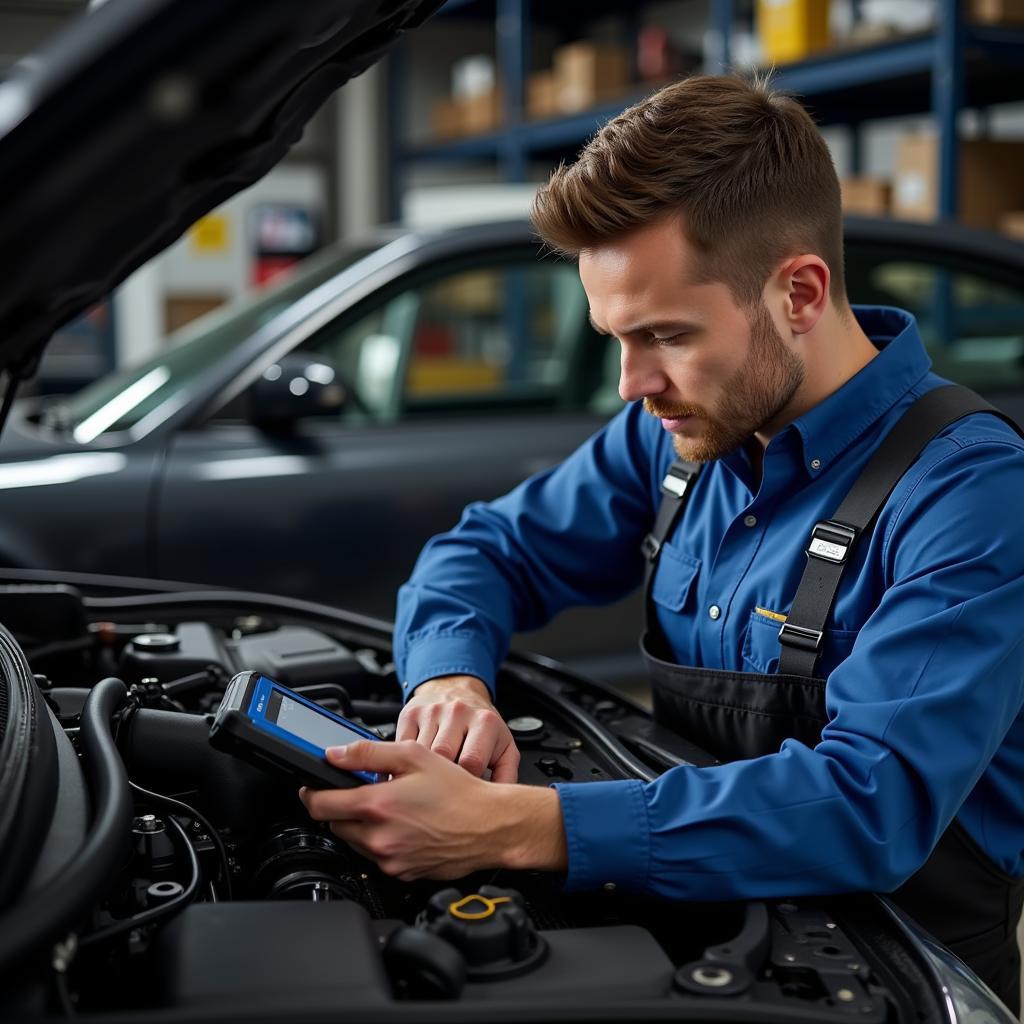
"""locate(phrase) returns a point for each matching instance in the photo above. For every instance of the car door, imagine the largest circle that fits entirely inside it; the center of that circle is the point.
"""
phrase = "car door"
(464, 378)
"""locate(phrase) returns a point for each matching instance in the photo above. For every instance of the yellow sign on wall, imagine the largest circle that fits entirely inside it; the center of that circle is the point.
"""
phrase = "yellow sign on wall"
(209, 234)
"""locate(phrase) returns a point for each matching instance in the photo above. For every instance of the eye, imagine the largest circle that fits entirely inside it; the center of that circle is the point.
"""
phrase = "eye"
(674, 339)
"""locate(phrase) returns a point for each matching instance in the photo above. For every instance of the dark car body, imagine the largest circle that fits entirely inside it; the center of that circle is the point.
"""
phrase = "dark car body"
(492, 373)
(145, 875)
(306, 506)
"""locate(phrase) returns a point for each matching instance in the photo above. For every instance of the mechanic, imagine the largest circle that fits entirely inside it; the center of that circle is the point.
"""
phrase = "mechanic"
(881, 750)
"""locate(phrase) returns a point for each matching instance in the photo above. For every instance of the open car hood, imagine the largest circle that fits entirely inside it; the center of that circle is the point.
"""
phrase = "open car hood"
(144, 115)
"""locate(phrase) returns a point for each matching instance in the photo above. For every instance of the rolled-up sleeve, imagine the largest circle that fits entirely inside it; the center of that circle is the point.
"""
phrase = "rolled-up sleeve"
(569, 536)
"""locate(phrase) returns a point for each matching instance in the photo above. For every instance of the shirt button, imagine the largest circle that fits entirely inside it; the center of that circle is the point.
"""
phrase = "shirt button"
(815, 463)
(750, 520)
(714, 611)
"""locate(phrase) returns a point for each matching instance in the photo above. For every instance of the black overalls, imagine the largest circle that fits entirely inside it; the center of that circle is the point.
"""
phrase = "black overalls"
(959, 895)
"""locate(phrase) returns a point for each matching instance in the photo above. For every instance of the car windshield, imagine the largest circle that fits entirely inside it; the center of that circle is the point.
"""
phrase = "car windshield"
(122, 399)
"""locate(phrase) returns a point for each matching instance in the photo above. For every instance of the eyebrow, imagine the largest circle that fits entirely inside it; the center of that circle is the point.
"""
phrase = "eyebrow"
(651, 327)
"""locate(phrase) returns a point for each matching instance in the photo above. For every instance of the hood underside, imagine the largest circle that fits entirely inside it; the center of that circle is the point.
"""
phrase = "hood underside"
(143, 116)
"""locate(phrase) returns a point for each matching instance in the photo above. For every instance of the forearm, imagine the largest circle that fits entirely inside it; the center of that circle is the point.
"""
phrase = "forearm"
(528, 832)
(454, 686)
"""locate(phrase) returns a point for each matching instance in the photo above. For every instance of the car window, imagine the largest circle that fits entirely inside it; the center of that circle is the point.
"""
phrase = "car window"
(122, 399)
(971, 318)
(479, 337)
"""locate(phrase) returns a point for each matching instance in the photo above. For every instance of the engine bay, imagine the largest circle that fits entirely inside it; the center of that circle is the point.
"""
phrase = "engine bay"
(224, 899)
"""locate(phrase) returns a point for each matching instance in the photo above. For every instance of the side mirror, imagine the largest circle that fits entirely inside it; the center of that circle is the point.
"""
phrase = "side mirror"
(294, 388)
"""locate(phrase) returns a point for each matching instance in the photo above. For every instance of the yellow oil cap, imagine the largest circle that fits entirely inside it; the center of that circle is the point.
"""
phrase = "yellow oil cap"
(486, 906)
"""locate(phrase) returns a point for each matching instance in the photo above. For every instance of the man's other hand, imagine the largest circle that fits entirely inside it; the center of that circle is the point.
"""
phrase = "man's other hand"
(454, 717)
(431, 819)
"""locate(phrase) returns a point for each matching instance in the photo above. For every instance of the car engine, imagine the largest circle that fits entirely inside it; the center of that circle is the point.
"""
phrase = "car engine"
(158, 875)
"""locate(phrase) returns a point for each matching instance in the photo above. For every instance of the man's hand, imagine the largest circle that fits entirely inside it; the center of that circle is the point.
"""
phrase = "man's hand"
(454, 717)
(434, 820)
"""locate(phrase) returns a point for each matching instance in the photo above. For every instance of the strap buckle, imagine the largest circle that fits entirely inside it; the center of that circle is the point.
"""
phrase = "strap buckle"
(677, 479)
(800, 636)
(674, 485)
(650, 546)
(831, 541)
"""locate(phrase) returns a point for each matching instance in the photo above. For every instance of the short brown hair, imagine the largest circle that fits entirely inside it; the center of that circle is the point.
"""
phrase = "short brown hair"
(744, 166)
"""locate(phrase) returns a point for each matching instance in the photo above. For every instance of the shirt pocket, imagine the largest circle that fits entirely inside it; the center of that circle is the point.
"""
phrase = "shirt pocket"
(761, 646)
(675, 579)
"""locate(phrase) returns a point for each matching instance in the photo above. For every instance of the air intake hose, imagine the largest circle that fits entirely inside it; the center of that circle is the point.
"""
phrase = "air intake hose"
(46, 915)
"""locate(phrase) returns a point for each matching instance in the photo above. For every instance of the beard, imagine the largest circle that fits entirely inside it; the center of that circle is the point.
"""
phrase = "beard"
(754, 396)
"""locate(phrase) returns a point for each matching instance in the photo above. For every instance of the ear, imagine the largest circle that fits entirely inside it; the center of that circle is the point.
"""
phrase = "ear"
(804, 282)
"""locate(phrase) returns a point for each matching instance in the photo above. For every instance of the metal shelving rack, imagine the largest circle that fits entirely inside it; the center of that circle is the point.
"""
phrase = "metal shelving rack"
(952, 67)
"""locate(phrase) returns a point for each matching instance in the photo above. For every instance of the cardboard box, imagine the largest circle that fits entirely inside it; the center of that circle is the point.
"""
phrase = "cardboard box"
(454, 117)
(990, 180)
(996, 12)
(589, 73)
(1012, 224)
(792, 29)
(870, 197)
(446, 118)
(480, 114)
(181, 308)
(541, 95)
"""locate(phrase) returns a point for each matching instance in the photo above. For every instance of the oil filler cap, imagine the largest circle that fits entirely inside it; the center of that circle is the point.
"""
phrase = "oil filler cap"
(526, 727)
(160, 643)
(491, 929)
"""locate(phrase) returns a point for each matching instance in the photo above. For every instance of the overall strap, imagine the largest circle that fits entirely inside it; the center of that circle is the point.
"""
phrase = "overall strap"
(833, 540)
(675, 494)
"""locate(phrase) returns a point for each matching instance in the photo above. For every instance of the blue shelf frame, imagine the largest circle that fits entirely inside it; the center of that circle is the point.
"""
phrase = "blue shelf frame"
(939, 61)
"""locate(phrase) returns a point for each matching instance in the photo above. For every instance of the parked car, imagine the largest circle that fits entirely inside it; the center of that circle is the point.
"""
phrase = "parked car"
(321, 432)
(145, 875)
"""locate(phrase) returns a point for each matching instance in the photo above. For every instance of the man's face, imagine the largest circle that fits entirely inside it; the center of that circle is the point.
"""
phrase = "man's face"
(713, 372)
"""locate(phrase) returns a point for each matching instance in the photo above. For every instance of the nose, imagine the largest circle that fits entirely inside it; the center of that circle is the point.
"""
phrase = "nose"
(640, 374)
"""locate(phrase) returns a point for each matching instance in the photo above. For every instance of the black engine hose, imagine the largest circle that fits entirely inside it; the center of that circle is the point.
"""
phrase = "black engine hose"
(46, 915)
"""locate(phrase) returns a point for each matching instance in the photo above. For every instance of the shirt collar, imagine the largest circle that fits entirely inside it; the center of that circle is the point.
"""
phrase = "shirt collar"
(833, 424)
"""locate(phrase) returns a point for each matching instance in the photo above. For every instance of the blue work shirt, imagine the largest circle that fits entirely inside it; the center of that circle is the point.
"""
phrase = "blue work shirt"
(924, 655)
